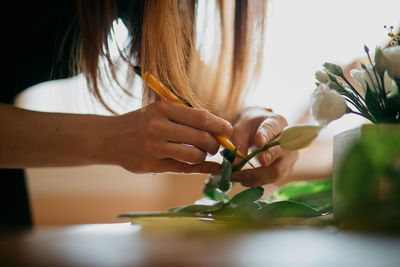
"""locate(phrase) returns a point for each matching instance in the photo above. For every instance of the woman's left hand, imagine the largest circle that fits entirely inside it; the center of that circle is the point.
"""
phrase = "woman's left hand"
(257, 127)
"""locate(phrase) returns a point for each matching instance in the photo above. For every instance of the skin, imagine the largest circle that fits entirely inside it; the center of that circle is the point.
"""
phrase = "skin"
(149, 140)
(257, 127)
(146, 140)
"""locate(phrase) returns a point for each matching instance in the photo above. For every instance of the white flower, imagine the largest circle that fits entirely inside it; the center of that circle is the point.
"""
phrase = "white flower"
(327, 104)
(393, 55)
(361, 77)
(322, 77)
(298, 136)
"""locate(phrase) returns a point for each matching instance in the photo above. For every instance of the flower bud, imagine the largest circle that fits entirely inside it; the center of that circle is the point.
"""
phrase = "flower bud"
(322, 77)
(333, 68)
(298, 136)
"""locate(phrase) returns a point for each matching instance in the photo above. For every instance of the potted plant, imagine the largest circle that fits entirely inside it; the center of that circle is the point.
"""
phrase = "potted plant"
(365, 176)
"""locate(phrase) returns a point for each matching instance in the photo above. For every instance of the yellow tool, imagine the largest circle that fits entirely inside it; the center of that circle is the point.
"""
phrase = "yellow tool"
(166, 94)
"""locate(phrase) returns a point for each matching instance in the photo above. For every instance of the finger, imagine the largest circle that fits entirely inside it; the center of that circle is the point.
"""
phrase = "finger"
(179, 133)
(266, 175)
(269, 129)
(266, 158)
(199, 119)
(184, 153)
(171, 165)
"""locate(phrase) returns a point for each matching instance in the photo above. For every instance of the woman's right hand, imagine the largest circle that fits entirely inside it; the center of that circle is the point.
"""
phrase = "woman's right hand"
(165, 137)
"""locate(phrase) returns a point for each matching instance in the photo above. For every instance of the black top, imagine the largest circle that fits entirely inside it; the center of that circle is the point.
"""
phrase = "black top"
(32, 53)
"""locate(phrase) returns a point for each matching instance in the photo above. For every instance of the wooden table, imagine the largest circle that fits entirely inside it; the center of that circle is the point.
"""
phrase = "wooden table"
(124, 244)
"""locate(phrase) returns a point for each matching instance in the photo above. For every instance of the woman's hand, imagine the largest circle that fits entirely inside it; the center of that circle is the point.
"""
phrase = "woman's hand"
(166, 137)
(257, 127)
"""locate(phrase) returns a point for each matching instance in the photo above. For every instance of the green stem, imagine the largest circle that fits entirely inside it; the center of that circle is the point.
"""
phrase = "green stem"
(382, 91)
(351, 87)
(377, 80)
(353, 99)
(253, 154)
(362, 115)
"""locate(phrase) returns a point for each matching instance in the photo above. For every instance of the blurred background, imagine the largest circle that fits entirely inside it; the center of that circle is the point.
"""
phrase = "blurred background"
(301, 36)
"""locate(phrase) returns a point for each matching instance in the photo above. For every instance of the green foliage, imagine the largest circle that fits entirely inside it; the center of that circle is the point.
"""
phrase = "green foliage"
(316, 194)
(246, 206)
(376, 105)
(220, 182)
(301, 199)
(286, 208)
(246, 196)
(216, 195)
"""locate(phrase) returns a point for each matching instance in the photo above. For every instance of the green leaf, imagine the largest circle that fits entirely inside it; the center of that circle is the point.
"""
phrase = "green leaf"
(286, 208)
(295, 189)
(333, 68)
(197, 208)
(222, 179)
(229, 155)
(225, 180)
(321, 201)
(216, 195)
(246, 196)
(316, 194)
(242, 205)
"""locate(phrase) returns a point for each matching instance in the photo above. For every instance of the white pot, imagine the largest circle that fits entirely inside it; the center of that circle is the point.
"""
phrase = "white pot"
(341, 144)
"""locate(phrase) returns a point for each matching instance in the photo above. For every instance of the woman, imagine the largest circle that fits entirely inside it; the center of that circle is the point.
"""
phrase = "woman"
(162, 42)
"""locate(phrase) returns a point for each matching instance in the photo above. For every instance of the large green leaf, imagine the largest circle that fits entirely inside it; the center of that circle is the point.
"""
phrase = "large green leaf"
(246, 196)
(242, 204)
(316, 194)
(285, 208)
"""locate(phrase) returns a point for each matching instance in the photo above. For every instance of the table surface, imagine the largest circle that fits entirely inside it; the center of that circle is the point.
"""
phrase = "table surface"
(124, 244)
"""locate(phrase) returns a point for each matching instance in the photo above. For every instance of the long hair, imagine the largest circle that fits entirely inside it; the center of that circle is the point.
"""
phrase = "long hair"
(167, 39)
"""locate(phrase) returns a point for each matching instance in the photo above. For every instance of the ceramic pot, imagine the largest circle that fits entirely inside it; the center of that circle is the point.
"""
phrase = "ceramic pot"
(377, 186)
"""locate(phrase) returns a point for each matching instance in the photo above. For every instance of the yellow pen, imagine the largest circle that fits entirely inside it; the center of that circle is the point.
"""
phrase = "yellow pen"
(166, 94)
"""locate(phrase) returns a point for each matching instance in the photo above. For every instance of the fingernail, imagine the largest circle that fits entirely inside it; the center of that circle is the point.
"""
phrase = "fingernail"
(267, 159)
(229, 127)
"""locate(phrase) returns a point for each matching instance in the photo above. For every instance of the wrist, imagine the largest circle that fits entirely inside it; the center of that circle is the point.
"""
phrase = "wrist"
(99, 140)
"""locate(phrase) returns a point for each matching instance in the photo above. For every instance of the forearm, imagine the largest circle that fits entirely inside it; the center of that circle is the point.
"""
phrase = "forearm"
(39, 139)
